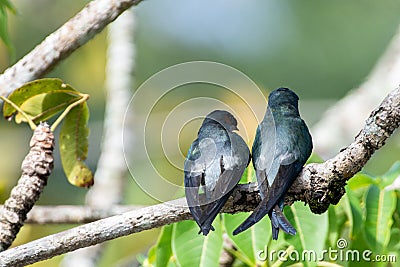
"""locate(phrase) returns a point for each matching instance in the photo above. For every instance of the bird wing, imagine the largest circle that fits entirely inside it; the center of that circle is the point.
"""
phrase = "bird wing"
(274, 193)
(287, 172)
(223, 189)
(192, 186)
(194, 181)
(231, 164)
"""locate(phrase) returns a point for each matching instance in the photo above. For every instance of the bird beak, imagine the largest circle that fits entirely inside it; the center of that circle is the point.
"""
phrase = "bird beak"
(235, 128)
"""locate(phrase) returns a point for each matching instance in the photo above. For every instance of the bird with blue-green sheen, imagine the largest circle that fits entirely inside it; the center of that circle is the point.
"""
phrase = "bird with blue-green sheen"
(281, 147)
(213, 167)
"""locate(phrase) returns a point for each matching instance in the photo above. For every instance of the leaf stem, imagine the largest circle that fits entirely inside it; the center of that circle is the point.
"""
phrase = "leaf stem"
(30, 122)
(280, 261)
(84, 97)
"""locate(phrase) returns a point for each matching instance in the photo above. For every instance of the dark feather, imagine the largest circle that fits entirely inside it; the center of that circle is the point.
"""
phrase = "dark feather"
(225, 185)
(281, 147)
(278, 220)
(215, 163)
(275, 193)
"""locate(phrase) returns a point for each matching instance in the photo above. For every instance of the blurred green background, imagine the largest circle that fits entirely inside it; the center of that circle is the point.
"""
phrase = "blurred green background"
(321, 49)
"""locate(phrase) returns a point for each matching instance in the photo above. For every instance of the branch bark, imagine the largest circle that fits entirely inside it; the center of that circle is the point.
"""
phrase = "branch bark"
(117, 226)
(36, 168)
(336, 127)
(73, 214)
(319, 185)
(91, 20)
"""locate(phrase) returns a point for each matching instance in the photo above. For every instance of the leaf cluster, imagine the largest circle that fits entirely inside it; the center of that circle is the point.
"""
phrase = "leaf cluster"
(43, 99)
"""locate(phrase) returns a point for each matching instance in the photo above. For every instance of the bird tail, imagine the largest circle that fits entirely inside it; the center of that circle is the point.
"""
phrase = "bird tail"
(205, 229)
(212, 210)
(278, 220)
(256, 216)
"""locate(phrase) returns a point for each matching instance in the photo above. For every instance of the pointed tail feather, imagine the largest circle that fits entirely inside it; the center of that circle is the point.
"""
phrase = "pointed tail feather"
(255, 217)
(205, 229)
(278, 220)
(212, 210)
(275, 232)
(274, 225)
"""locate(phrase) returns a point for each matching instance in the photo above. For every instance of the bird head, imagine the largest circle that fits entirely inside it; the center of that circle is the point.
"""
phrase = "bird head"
(282, 96)
(222, 117)
(285, 100)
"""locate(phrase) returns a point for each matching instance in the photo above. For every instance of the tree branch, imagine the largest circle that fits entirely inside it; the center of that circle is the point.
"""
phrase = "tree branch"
(111, 167)
(36, 169)
(319, 185)
(336, 128)
(91, 20)
(73, 214)
(120, 225)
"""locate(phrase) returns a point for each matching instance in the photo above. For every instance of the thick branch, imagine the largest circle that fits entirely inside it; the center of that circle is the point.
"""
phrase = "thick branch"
(336, 127)
(73, 34)
(36, 168)
(113, 227)
(319, 185)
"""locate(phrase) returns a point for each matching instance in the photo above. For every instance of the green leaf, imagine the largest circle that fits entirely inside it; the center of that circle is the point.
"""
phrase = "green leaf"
(74, 146)
(333, 232)
(393, 247)
(8, 4)
(163, 249)
(44, 106)
(250, 242)
(41, 99)
(314, 158)
(379, 208)
(391, 175)
(360, 180)
(151, 256)
(192, 249)
(354, 212)
(4, 5)
(248, 175)
(312, 230)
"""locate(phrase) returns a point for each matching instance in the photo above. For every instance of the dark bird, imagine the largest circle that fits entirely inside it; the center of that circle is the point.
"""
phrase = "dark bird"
(281, 147)
(213, 167)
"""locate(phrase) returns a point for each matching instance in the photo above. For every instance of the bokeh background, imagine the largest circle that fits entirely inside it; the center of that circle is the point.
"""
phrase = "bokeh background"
(321, 49)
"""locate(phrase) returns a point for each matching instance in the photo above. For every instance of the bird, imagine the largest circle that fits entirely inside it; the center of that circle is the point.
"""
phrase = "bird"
(281, 147)
(213, 167)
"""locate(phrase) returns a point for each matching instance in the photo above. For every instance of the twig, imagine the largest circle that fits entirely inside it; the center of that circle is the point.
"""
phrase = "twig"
(111, 168)
(84, 98)
(91, 20)
(319, 185)
(226, 259)
(73, 214)
(36, 168)
(340, 123)
(28, 119)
